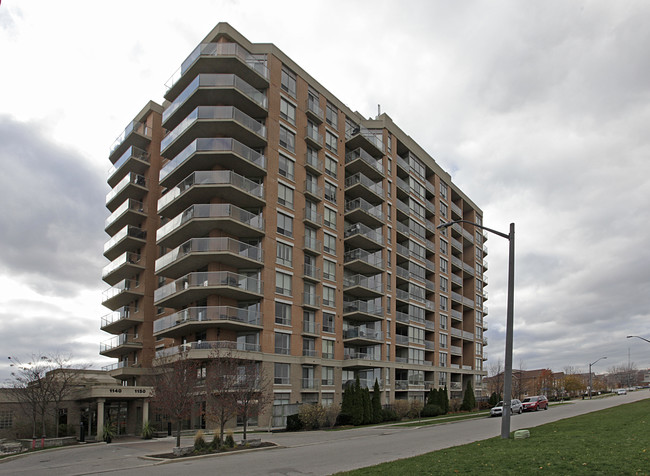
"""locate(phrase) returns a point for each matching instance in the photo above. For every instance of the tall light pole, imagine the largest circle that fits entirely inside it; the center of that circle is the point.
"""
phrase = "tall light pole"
(639, 337)
(590, 374)
(507, 377)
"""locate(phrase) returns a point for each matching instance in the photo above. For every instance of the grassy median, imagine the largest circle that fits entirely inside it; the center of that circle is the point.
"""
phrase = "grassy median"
(609, 442)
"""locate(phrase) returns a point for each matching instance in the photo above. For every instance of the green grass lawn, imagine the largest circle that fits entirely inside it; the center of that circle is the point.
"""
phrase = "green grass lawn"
(615, 441)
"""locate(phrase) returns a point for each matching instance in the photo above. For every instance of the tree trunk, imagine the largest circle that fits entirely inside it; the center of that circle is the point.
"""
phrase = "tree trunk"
(178, 433)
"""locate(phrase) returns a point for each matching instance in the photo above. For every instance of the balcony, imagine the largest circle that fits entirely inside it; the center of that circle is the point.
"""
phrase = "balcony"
(361, 310)
(401, 340)
(362, 336)
(208, 349)
(196, 252)
(311, 217)
(136, 134)
(131, 212)
(431, 189)
(120, 320)
(360, 161)
(358, 235)
(455, 350)
(205, 186)
(202, 121)
(133, 160)
(215, 89)
(124, 266)
(311, 273)
(313, 137)
(201, 219)
(313, 164)
(430, 209)
(208, 153)
(362, 286)
(129, 238)
(311, 300)
(360, 186)
(312, 246)
(313, 191)
(456, 244)
(310, 384)
(365, 262)
(219, 58)
(123, 293)
(456, 210)
(119, 345)
(131, 186)
(310, 327)
(360, 137)
(457, 315)
(197, 286)
(354, 358)
(360, 211)
(314, 111)
(198, 319)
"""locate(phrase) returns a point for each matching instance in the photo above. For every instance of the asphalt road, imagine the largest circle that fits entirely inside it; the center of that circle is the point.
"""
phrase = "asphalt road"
(304, 453)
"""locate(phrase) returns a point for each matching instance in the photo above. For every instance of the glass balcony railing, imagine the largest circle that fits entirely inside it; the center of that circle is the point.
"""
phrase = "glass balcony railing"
(123, 339)
(215, 81)
(123, 259)
(370, 282)
(132, 151)
(213, 113)
(208, 314)
(367, 307)
(361, 229)
(209, 279)
(369, 208)
(212, 177)
(125, 312)
(311, 132)
(119, 288)
(366, 157)
(134, 127)
(358, 178)
(131, 178)
(211, 210)
(374, 137)
(373, 259)
(362, 333)
(128, 230)
(211, 245)
(209, 346)
(129, 204)
(216, 144)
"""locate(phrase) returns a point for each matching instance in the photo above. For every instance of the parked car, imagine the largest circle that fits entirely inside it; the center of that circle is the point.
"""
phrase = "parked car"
(621, 391)
(515, 407)
(538, 402)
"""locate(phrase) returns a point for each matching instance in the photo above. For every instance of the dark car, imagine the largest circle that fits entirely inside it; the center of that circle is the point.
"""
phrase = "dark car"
(538, 402)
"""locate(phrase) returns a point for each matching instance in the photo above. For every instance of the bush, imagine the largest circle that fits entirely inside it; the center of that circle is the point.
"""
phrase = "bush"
(415, 407)
(469, 400)
(294, 423)
(199, 441)
(230, 440)
(312, 416)
(401, 408)
(432, 410)
(215, 444)
(344, 419)
(388, 414)
(147, 431)
(331, 414)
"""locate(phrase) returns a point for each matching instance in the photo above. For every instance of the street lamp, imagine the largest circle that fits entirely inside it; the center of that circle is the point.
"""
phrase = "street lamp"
(639, 337)
(590, 374)
(507, 377)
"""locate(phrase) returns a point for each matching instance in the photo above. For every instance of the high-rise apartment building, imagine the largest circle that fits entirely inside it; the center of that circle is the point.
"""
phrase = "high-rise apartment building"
(255, 211)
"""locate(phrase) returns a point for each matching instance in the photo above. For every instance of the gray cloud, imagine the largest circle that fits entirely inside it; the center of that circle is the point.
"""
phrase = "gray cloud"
(51, 219)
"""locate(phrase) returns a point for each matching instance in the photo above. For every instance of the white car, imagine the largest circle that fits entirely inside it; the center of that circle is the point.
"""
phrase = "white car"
(621, 391)
(515, 407)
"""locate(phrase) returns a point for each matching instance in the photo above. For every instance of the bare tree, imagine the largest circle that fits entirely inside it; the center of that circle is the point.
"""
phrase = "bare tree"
(220, 383)
(496, 377)
(251, 390)
(175, 390)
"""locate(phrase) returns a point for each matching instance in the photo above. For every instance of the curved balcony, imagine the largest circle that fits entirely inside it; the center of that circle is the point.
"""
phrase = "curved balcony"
(204, 186)
(120, 320)
(198, 319)
(358, 235)
(361, 336)
(215, 89)
(358, 160)
(362, 286)
(353, 358)
(197, 252)
(208, 153)
(124, 266)
(360, 137)
(360, 186)
(136, 134)
(202, 121)
(119, 345)
(132, 186)
(219, 58)
(362, 261)
(123, 293)
(133, 160)
(360, 211)
(360, 310)
(196, 286)
(199, 220)
(131, 212)
(130, 238)
(208, 349)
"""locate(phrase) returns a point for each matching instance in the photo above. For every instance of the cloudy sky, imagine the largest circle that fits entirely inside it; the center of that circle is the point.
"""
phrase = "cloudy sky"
(539, 110)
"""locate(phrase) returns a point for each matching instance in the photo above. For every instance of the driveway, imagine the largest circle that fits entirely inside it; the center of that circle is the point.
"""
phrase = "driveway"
(303, 453)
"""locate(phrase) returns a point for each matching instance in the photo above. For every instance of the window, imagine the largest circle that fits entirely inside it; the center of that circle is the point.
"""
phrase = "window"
(444, 246)
(442, 377)
(286, 167)
(6, 419)
(283, 283)
(329, 243)
(479, 348)
(329, 296)
(328, 349)
(390, 143)
(388, 303)
(416, 165)
(328, 376)
(443, 361)
(287, 139)
(330, 218)
(285, 195)
(330, 192)
(282, 313)
(285, 225)
(443, 265)
(443, 303)
(331, 141)
(416, 187)
(282, 343)
(443, 190)
(309, 322)
(328, 323)
(416, 335)
(479, 286)
(330, 166)
(443, 341)
(444, 284)
(288, 82)
(332, 115)
(309, 346)
(282, 374)
(443, 209)
(416, 208)
(329, 270)
(287, 111)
